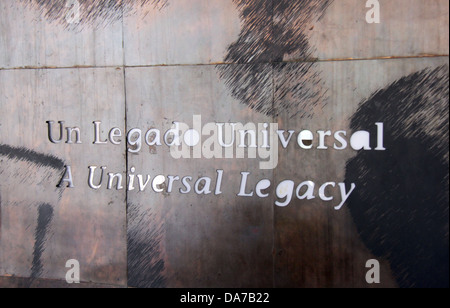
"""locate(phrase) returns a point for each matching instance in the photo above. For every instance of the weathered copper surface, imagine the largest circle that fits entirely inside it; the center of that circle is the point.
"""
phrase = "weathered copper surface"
(315, 65)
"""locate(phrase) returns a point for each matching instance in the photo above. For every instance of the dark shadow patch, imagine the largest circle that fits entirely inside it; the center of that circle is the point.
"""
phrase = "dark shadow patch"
(92, 12)
(401, 204)
(145, 264)
(270, 31)
(24, 154)
(10, 155)
(45, 216)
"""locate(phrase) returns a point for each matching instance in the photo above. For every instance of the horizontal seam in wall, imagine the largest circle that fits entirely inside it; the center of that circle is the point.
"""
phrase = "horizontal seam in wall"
(220, 63)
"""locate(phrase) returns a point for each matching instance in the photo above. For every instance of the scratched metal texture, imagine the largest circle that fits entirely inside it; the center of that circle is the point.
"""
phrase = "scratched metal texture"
(313, 64)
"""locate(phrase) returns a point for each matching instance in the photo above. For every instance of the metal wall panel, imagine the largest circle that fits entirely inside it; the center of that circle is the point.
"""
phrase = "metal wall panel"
(304, 65)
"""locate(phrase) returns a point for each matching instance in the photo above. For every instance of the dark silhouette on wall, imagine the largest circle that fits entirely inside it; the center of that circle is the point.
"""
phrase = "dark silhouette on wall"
(401, 204)
(41, 165)
(258, 76)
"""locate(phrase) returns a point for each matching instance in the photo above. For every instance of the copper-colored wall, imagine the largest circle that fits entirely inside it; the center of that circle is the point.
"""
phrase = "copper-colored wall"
(313, 64)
